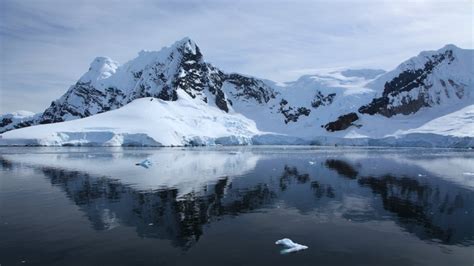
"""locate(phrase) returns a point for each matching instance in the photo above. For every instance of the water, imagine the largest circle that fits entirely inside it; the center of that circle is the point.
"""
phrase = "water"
(228, 206)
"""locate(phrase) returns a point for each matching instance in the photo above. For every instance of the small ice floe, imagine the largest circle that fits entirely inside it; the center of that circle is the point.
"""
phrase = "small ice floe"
(311, 162)
(150, 224)
(290, 246)
(468, 173)
(421, 175)
(145, 163)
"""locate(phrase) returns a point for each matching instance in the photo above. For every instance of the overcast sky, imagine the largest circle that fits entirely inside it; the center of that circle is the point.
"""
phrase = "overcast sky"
(46, 45)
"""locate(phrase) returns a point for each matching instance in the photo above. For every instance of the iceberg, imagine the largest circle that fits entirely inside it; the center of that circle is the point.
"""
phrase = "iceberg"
(290, 246)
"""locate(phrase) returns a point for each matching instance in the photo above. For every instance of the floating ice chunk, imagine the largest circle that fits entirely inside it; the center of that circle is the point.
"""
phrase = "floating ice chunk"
(146, 163)
(468, 173)
(311, 162)
(289, 245)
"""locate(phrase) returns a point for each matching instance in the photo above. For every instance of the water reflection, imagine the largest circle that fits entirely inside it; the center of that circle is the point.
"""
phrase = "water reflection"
(341, 167)
(230, 184)
(429, 212)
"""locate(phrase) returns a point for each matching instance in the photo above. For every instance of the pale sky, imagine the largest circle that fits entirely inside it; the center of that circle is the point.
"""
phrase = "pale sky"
(46, 45)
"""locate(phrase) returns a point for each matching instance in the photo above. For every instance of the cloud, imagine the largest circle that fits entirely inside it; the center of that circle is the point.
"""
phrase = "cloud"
(46, 45)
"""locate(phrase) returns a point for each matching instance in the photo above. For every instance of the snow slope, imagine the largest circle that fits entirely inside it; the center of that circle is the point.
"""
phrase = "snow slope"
(143, 122)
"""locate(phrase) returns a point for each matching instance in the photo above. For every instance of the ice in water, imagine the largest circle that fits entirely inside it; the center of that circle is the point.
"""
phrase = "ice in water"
(290, 246)
(145, 163)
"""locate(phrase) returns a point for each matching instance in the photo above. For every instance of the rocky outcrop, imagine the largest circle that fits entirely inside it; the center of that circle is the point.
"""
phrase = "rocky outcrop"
(248, 88)
(290, 113)
(342, 122)
(5, 122)
(83, 100)
(322, 100)
(411, 89)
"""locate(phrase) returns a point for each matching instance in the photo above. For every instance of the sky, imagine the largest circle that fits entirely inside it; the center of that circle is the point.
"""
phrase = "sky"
(46, 45)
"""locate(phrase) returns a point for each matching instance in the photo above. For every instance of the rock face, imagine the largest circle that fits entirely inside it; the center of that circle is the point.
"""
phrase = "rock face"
(290, 113)
(322, 100)
(342, 122)
(424, 81)
(247, 88)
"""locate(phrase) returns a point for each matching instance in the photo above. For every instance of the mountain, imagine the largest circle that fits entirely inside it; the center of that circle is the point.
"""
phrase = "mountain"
(174, 97)
(19, 119)
(107, 85)
(431, 79)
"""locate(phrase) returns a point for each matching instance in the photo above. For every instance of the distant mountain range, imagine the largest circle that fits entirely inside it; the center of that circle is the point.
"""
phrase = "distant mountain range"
(174, 97)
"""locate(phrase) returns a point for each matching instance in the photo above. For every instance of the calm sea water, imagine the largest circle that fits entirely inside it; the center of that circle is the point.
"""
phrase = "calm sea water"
(228, 206)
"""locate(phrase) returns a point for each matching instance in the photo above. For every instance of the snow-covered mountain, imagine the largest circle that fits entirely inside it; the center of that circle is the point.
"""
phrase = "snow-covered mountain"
(107, 85)
(430, 79)
(348, 106)
(19, 119)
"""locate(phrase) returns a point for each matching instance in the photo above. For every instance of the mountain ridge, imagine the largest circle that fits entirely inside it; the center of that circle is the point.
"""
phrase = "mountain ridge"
(339, 104)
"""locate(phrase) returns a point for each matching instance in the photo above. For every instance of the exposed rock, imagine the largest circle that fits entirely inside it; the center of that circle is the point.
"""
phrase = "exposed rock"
(250, 88)
(220, 101)
(292, 114)
(83, 100)
(396, 98)
(5, 122)
(322, 100)
(342, 122)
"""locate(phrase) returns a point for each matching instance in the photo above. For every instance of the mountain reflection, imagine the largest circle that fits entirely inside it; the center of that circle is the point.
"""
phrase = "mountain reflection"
(157, 213)
(428, 208)
(342, 168)
(289, 174)
(428, 212)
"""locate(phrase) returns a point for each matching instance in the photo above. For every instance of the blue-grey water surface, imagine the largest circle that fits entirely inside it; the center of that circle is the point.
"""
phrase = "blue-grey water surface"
(228, 206)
